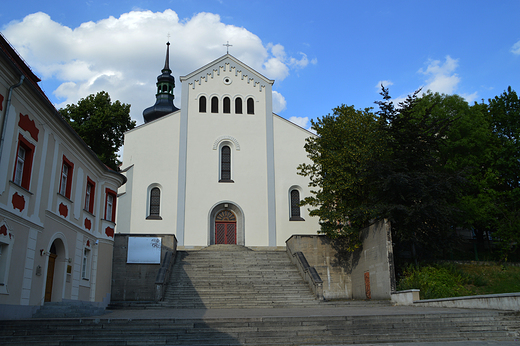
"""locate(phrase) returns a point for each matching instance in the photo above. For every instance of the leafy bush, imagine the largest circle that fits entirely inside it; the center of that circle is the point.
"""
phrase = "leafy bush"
(434, 282)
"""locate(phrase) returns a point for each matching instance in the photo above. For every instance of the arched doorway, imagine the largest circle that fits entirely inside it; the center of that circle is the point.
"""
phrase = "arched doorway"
(225, 227)
(50, 273)
(55, 272)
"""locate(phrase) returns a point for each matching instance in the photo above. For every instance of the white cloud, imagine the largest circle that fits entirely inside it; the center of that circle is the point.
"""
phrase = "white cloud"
(470, 98)
(124, 55)
(279, 102)
(300, 121)
(516, 48)
(385, 83)
(442, 78)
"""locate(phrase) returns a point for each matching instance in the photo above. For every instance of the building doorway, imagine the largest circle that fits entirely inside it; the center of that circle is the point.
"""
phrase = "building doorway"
(50, 273)
(225, 227)
(55, 278)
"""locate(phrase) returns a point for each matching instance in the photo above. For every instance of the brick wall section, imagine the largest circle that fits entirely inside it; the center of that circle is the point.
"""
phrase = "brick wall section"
(136, 282)
(343, 273)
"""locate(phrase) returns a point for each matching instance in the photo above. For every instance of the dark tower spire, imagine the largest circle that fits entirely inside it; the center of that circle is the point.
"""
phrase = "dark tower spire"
(164, 97)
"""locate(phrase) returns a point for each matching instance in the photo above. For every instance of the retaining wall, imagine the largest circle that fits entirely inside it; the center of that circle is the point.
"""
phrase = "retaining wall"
(137, 282)
(368, 273)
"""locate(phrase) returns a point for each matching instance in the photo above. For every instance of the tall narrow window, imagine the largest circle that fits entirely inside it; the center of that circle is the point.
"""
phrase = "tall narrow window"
(20, 161)
(225, 164)
(295, 206)
(110, 205)
(23, 163)
(66, 177)
(202, 104)
(155, 204)
(89, 196)
(238, 105)
(4, 248)
(85, 265)
(214, 104)
(250, 106)
(227, 105)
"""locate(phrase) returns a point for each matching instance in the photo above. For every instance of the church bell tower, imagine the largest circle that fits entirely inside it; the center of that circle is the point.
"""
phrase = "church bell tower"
(164, 97)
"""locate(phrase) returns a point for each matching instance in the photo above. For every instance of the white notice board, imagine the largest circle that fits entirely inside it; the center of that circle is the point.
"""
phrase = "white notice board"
(146, 250)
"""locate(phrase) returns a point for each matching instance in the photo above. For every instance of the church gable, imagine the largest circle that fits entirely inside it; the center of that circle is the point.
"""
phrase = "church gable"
(227, 70)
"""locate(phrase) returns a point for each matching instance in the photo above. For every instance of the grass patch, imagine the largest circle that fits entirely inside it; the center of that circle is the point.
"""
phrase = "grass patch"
(444, 280)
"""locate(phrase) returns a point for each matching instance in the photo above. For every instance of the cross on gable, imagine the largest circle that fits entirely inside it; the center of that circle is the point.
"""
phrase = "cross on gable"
(227, 45)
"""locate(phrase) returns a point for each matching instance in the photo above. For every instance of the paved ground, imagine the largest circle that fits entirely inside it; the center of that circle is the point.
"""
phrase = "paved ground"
(450, 343)
(159, 313)
(301, 312)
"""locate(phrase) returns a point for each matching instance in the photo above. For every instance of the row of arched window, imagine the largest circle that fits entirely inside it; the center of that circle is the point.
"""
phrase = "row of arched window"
(226, 105)
(155, 205)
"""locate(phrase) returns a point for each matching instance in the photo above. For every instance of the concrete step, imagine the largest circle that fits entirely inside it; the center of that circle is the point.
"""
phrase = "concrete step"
(235, 277)
(305, 330)
(68, 309)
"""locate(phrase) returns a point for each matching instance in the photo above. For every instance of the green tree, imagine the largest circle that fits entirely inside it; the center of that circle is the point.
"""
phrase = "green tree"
(504, 111)
(413, 190)
(101, 124)
(344, 144)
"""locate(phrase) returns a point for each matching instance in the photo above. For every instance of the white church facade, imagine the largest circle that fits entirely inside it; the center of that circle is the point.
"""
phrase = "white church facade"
(221, 170)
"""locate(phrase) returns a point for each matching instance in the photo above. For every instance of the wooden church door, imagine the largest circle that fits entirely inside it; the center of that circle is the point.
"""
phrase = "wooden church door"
(225, 228)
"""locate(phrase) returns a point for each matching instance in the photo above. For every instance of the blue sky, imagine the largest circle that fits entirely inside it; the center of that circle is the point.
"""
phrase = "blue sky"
(321, 54)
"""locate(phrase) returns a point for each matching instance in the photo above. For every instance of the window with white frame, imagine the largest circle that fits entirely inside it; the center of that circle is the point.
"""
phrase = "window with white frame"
(89, 196)
(6, 246)
(23, 163)
(67, 168)
(85, 264)
(110, 205)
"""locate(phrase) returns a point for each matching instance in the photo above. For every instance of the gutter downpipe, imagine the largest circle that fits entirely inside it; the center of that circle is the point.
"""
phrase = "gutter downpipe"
(8, 105)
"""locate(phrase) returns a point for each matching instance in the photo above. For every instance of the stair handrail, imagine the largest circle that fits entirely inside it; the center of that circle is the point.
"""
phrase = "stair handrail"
(163, 275)
(309, 273)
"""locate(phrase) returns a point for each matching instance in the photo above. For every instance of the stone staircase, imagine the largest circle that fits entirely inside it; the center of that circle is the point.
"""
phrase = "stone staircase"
(239, 278)
(68, 309)
(310, 330)
(231, 276)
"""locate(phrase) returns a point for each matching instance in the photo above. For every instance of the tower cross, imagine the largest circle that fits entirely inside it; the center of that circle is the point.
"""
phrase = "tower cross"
(227, 45)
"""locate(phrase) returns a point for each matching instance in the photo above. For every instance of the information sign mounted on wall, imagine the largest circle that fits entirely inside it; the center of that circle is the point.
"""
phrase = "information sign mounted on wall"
(144, 250)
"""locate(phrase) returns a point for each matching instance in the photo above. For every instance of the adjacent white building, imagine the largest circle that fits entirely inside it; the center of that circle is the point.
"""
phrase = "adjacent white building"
(223, 169)
(57, 202)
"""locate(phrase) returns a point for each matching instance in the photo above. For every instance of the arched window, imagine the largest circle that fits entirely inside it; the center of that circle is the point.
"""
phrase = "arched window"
(214, 104)
(227, 105)
(250, 106)
(202, 104)
(295, 206)
(238, 105)
(155, 204)
(225, 164)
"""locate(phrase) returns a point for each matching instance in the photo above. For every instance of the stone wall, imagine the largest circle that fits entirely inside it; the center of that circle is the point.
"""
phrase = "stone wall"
(349, 275)
(136, 282)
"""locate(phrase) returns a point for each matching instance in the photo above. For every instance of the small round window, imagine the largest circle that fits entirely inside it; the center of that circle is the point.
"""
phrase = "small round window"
(227, 80)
